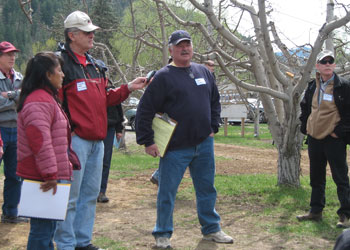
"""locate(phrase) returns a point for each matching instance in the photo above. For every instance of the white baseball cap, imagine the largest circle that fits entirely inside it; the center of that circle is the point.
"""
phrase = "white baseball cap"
(324, 54)
(79, 20)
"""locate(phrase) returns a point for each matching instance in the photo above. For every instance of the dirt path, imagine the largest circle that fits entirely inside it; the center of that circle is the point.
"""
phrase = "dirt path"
(130, 215)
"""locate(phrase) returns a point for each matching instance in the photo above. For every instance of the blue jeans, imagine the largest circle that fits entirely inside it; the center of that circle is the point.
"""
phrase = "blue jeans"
(107, 157)
(41, 234)
(12, 183)
(200, 160)
(76, 230)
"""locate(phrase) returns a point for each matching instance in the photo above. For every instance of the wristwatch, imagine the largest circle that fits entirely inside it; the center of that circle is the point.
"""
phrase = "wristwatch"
(11, 94)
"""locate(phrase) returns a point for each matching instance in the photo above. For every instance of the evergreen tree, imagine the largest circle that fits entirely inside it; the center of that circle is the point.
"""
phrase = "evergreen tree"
(104, 16)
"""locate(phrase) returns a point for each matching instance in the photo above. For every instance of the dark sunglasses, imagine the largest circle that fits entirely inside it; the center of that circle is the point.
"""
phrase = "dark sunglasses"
(88, 33)
(324, 62)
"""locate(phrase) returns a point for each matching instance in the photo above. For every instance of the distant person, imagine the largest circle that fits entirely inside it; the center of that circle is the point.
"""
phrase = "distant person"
(325, 119)
(115, 130)
(10, 85)
(186, 91)
(43, 137)
(85, 100)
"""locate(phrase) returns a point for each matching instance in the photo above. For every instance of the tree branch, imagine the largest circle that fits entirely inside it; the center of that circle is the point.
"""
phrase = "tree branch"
(29, 10)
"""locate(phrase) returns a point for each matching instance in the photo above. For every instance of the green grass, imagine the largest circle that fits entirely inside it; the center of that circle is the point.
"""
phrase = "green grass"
(234, 136)
(130, 163)
(275, 207)
(107, 243)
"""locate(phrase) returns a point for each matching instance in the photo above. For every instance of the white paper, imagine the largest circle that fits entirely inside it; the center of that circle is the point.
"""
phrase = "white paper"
(38, 204)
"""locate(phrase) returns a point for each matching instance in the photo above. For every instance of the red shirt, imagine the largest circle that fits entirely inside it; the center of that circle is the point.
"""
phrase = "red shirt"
(81, 59)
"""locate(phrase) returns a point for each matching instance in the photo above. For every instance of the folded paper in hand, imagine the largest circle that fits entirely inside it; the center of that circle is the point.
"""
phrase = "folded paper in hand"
(163, 127)
(35, 203)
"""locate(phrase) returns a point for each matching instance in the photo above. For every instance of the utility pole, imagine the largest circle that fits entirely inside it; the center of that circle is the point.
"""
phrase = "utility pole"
(330, 18)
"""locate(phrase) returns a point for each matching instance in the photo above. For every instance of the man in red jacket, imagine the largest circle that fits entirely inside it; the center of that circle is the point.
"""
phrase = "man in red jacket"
(84, 98)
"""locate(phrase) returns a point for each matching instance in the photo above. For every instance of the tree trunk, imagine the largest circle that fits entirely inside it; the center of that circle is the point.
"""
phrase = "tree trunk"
(289, 164)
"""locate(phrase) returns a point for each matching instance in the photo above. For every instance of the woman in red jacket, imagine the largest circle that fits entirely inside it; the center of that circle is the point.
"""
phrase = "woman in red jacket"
(43, 137)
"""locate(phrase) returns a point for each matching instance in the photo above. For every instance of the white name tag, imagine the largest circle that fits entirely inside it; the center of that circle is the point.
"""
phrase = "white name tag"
(81, 86)
(327, 97)
(200, 81)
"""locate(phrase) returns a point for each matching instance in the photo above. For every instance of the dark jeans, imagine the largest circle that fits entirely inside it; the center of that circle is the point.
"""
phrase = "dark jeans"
(333, 151)
(12, 183)
(41, 234)
(108, 142)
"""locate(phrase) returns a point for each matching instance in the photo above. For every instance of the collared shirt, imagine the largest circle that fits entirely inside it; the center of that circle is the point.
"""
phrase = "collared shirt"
(10, 75)
(323, 86)
(81, 59)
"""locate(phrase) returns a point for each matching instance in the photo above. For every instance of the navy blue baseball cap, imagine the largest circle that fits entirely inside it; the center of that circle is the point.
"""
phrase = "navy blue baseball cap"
(179, 36)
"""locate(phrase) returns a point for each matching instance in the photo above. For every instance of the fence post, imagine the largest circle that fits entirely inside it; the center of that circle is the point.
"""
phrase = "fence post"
(242, 126)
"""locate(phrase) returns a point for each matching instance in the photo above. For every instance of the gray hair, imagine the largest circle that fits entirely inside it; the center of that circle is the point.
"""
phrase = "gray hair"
(66, 31)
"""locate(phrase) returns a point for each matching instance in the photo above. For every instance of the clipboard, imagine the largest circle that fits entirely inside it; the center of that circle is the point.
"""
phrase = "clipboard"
(163, 127)
(34, 203)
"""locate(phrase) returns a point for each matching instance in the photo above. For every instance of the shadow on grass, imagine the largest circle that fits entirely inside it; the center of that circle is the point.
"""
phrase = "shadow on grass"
(278, 206)
(287, 203)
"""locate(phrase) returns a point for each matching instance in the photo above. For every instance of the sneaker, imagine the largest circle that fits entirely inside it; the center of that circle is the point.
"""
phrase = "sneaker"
(154, 180)
(310, 216)
(102, 198)
(219, 237)
(343, 222)
(13, 219)
(163, 242)
(88, 247)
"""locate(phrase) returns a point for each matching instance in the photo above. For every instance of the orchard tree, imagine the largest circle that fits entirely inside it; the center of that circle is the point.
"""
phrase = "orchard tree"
(280, 83)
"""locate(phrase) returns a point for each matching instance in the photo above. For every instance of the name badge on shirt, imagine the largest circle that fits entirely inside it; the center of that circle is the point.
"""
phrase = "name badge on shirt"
(81, 86)
(327, 97)
(200, 81)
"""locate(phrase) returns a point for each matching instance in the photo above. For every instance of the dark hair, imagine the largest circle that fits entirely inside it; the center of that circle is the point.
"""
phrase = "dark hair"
(36, 75)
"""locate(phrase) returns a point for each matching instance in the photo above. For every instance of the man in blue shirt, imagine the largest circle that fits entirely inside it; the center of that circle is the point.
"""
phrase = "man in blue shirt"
(187, 92)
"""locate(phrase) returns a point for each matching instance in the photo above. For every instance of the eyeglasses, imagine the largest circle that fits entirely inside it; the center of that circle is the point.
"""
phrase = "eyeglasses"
(324, 62)
(88, 33)
(11, 54)
(211, 65)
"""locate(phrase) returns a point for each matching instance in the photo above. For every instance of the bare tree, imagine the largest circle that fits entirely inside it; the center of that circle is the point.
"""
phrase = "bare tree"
(280, 83)
(26, 7)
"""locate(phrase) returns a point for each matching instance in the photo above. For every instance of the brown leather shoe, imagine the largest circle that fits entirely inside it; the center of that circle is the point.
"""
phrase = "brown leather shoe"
(310, 216)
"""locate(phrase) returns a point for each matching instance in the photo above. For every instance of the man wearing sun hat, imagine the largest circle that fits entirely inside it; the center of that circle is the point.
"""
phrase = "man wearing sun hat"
(325, 119)
(84, 99)
(10, 84)
(187, 92)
